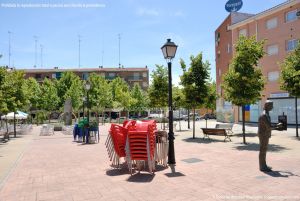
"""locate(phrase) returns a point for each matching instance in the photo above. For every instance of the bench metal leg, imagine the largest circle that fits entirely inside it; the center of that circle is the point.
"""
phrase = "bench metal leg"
(227, 137)
(206, 136)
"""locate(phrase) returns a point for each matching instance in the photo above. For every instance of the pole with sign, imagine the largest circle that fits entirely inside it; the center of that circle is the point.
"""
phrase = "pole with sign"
(233, 5)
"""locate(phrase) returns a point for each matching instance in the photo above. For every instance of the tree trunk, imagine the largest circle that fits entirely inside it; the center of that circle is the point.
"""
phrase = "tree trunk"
(15, 131)
(103, 118)
(163, 119)
(296, 107)
(206, 117)
(189, 118)
(194, 123)
(243, 116)
(179, 121)
(7, 132)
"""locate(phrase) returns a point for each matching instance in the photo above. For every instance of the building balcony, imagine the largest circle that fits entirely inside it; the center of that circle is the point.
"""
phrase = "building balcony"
(110, 77)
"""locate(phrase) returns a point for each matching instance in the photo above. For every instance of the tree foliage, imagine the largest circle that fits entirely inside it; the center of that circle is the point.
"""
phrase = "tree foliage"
(244, 82)
(194, 80)
(139, 99)
(49, 99)
(70, 86)
(33, 91)
(290, 73)
(120, 94)
(211, 99)
(158, 90)
(99, 95)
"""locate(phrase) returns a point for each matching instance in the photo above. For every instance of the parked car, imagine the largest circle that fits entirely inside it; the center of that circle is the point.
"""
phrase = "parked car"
(208, 116)
(197, 117)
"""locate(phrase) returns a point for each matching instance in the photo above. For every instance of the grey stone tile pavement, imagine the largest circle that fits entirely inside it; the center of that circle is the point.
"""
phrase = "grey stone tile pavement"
(57, 168)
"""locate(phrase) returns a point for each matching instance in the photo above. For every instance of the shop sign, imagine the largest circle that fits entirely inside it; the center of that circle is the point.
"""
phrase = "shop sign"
(233, 5)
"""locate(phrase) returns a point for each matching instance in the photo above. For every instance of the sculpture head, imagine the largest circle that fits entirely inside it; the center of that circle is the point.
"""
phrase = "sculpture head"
(268, 105)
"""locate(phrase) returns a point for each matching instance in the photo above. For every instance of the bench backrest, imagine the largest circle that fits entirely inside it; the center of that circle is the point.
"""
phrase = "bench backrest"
(213, 131)
(224, 126)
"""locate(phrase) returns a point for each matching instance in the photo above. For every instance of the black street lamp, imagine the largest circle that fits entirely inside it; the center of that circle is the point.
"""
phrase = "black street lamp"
(169, 51)
(83, 104)
(87, 88)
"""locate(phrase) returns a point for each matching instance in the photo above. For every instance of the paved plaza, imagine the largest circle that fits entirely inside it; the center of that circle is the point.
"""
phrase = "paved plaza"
(34, 167)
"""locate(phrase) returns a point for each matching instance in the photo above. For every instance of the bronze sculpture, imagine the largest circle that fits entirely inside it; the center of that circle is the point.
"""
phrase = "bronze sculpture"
(264, 133)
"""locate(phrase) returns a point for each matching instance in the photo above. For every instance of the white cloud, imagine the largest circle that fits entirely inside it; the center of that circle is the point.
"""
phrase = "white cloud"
(147, 12)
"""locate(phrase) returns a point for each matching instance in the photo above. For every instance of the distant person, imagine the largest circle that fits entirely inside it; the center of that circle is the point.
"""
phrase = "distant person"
(264, 133)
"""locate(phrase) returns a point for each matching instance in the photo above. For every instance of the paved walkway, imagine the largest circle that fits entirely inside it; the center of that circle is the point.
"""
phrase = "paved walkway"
(56, 168)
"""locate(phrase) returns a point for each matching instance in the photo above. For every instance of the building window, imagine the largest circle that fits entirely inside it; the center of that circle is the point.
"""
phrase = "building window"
(136, 76)
(291, 44)
(243, 32)
(217, 38)
(272, 50)
(53, 75)
(273, 76)
(38, 76)
(58, 75)
(228, 48)
(85, 76)
(144, 74)
(271, 23)
(220, 72)
(291, 16)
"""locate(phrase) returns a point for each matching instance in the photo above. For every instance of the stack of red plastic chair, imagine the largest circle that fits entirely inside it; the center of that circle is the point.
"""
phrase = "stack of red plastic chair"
(140, 145)
(115, 143)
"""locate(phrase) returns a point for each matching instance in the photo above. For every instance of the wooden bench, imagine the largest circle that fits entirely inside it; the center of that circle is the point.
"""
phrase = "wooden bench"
(215, 131)
(227, 127)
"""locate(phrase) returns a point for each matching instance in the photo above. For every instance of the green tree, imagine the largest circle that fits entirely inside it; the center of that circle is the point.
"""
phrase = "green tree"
(49, 99)
(139, 99)
(121, 98)
(33, 91)
(211, 99)
(244, 82)
(178, 102)
(13, 92)
(158, 91)
(194, 80)
(290, 76)
(70, 86)
(100, 95)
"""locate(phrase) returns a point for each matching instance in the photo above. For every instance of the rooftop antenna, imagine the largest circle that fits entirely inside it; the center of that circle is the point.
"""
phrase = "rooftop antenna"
(102, 52)
(79, 41)
(35, 52)
(9, 48)
(42, 47)
(119, 37)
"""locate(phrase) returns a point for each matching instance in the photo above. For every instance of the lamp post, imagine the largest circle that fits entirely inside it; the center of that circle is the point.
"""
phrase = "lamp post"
(83, 103)
(169, 51)
(87, 88)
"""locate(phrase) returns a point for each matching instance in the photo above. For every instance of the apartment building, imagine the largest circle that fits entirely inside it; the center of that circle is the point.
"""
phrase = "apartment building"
(280, 27)
(130, 75)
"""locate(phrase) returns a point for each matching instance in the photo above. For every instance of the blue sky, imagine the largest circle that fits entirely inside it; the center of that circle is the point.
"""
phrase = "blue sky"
(144, 26)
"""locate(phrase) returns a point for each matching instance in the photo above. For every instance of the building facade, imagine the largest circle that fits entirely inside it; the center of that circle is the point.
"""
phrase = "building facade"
(280, 28)
(130, 75)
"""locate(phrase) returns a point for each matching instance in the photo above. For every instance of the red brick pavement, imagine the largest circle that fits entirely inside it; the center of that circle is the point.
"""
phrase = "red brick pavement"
(56, 168)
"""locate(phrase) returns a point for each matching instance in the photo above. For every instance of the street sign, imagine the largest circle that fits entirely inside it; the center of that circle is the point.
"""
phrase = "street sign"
(233, 5)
